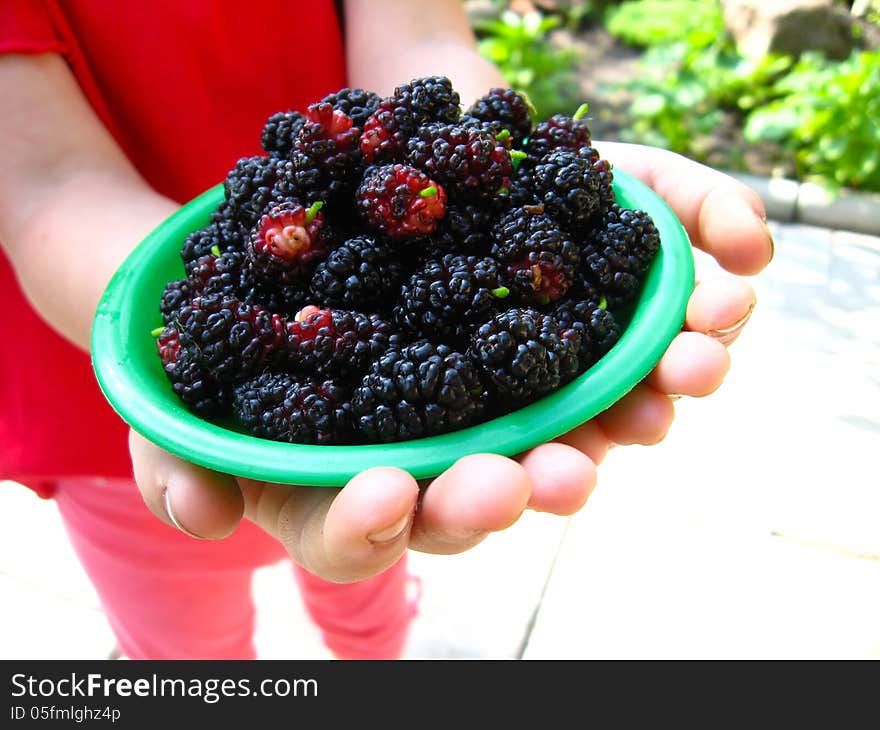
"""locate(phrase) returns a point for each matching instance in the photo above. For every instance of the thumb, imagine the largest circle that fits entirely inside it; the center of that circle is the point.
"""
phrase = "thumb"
(200, 502)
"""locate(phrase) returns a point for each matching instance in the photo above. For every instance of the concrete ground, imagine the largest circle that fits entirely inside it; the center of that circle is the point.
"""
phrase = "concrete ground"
(753, 531)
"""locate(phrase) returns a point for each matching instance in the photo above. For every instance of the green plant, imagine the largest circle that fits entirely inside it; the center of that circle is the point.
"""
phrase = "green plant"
(868, 9)
(521, 48)
(691, 72)
(824, 115)
(656, 22)
(686, 87)
(828, 114)
(576, 13)
(670, 106)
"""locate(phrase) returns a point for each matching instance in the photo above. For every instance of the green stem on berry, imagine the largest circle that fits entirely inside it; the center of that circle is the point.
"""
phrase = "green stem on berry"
(503, 191)
(428, 192)
(516, 157)
(215, 250)
(533, 110)
(581, 111)
(313, 211)
(503, 135)
(501, 292)
(156, 332)
(603, 303)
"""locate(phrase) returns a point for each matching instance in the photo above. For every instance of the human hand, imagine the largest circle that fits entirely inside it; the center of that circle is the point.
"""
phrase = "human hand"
(358, 531)
(725, 219)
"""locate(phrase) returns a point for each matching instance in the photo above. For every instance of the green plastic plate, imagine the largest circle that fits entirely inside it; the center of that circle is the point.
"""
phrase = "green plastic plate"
(130, 374)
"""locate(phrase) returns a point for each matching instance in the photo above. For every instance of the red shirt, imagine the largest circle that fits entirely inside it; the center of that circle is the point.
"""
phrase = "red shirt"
(185, 88)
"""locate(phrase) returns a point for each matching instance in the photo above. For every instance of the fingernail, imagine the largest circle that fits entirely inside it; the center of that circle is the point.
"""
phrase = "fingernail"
(390, 534)
(769, 238)
(675, 396)
(727, 335)
(166, 496)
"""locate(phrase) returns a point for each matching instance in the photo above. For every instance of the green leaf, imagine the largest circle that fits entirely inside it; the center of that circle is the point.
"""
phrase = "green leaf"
(772, 123)
(655, 22)
(648, 105)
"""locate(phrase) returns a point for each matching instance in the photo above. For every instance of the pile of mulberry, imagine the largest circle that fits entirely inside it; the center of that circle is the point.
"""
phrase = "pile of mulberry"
(396, 268)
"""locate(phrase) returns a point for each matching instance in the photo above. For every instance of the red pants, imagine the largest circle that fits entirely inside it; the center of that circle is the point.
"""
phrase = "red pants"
(169, 596)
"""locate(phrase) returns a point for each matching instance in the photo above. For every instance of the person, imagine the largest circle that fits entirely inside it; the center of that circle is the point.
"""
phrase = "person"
(114, 115)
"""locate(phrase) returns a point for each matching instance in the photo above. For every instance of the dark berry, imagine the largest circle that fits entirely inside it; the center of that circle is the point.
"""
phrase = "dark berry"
(400, 201)
(430, 99)
(447, 298)
(298, 410)
(396, 119)
(524, 354)
(539, 258)
(606, 177)
(559, 132)
(471, 163)
(285, 298)
(362, 273)
(222, 213)
(494, 129)
(223, 234)
(224, 274)
(230, 275)
(279, 132)
(356, 104)
(229, 339)
(466, 228)
(598, 329)
(417, 390)
(521, 193)
(190, 381)
(506, 108)
(248, 188)
(569, 187)
(636, 230)
(619, 254)
(386, 132)
(174, 296)
(336, 342)
(324, 158)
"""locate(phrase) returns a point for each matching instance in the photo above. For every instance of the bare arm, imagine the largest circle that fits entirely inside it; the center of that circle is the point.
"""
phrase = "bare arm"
(389, 42)
(71, 204)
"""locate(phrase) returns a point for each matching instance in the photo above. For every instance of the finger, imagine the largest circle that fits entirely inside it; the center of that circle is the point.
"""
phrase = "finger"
(642, 416)
(720, 307)
(588, 438)
(694, 364)
(477, 495)
(721, 215)
(562, 478)
(340, 535)
(198, 501)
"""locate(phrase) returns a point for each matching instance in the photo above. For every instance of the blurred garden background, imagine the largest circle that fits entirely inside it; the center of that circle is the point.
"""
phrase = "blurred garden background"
(783, 88)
